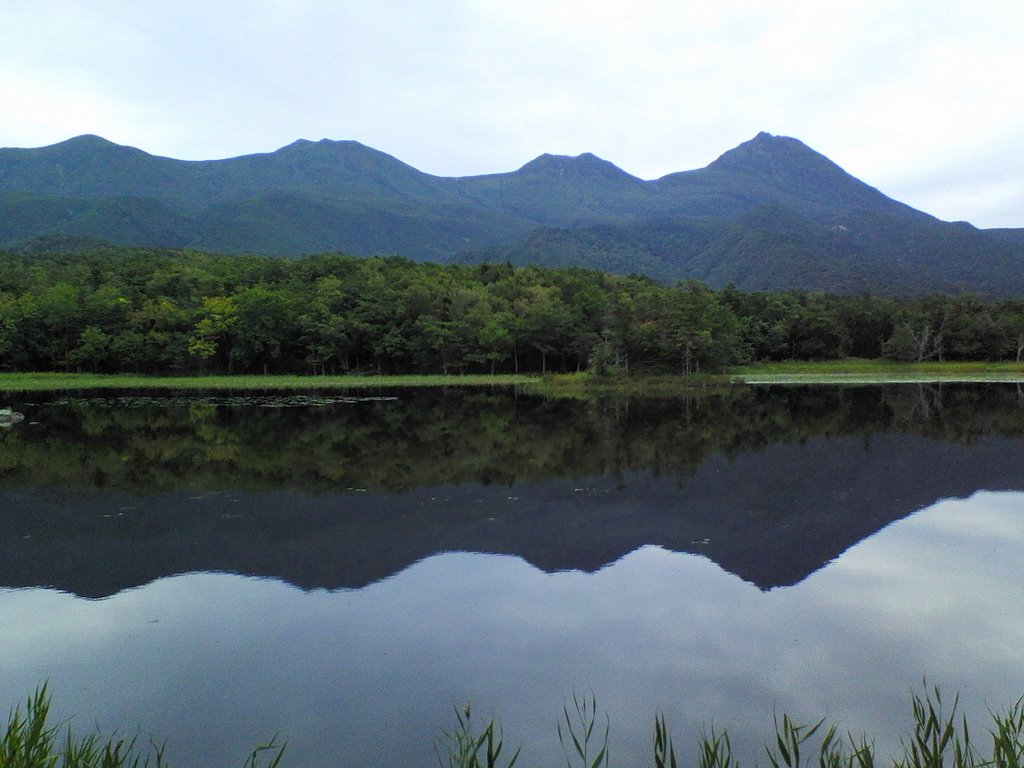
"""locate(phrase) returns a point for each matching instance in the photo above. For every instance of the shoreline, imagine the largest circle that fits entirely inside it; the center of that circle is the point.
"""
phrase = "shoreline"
(852, 372)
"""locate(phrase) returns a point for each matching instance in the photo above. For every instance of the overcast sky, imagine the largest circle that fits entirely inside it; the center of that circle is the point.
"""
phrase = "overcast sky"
(920, 98)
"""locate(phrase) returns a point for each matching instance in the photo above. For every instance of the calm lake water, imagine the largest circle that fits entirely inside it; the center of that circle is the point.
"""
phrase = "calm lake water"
(344, 571)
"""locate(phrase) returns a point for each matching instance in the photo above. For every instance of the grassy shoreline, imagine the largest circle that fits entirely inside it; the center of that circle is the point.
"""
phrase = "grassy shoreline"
(856, 371)
(52, 382)
(790, 372)
(940, 737)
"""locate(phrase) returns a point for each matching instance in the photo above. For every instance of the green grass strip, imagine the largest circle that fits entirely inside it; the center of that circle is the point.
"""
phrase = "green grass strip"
(855, 371)
(852, 371)
(55, 382)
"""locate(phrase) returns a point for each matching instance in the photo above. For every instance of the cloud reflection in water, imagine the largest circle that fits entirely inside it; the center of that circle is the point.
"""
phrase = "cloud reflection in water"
(216, 662)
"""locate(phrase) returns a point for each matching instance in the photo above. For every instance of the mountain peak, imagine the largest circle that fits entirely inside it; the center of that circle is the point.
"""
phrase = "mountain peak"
(89, 141)
(343, 143)
(90, 147)
(791, 168)
(549, 160)
(765, 153)
(329, 156)
(586, 165)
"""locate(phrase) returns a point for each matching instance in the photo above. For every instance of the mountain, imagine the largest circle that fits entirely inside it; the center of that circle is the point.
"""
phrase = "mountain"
(308, 196)
(778, 169)
(92, 167)
(771, 213)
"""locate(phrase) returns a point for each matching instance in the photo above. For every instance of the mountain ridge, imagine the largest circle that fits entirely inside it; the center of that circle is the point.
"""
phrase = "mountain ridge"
(771, 213)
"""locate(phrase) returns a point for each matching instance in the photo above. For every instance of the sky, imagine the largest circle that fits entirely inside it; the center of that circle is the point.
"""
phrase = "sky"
(920, 99)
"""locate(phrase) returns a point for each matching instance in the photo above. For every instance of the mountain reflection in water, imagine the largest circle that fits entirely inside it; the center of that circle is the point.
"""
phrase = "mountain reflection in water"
(100, 494)
(367, 678)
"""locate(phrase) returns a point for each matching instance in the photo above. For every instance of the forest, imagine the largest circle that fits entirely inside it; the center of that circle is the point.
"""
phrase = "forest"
(140, 310)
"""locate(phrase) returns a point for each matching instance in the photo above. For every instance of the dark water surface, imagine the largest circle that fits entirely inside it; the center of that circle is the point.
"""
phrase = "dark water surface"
(343, 571)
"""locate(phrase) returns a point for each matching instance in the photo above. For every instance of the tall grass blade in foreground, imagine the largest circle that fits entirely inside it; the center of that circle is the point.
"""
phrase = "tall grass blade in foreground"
(937, 738)
(464, 749)
(789, 737)
(832, 753)
(863, 755)
(715, 751)
(579, 732)
(664, 752)
(276, 753)
(29, 741)
(1008, 737)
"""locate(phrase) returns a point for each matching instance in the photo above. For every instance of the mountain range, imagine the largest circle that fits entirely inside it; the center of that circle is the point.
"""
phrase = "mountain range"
(770, 214)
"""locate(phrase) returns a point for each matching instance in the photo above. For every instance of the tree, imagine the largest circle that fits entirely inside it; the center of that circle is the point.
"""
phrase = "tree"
(164, 328)
(325, 329)
(9, 335)
(920, 332)
(93, 348)
(868, 322)
(1010, 321)
(212, 333)
(544, 319)
(132, 351)
(55, 323)
(695, 330)
(264, 324)
(495, 339)
(816, 333)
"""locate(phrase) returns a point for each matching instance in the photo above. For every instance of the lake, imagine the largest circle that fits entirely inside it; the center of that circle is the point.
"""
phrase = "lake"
(345, 571)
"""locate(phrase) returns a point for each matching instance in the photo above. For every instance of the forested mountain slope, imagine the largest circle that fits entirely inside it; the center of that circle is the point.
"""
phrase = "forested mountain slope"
(769, 214)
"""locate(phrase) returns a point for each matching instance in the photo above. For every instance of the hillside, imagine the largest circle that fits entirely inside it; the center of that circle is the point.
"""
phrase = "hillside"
(771, 248)
(769, 214)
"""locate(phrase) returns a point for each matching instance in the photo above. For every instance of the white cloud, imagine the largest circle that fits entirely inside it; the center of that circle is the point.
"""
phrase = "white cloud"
(899, 93)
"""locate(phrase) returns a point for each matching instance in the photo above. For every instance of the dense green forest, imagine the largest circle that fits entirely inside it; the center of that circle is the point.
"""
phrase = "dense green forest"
(145, 310)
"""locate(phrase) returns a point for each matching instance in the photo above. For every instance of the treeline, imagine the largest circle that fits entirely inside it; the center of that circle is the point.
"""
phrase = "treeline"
(148, 311)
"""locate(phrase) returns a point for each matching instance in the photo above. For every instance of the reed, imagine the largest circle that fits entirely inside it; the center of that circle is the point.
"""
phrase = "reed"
(1008, 737)
(31, 740)
(715, 751)
(578, 731)
(664, 751)
(463, 747)
(940, 739)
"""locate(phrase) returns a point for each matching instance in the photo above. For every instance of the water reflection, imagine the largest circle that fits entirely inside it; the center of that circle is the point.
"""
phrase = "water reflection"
(217, 661)
(334, 444)
(337, 570)
(104, 494)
